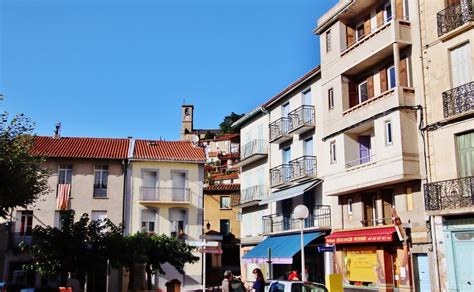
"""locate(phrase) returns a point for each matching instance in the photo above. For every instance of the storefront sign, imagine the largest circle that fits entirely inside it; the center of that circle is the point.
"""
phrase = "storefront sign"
(360, 239)
(361, 266)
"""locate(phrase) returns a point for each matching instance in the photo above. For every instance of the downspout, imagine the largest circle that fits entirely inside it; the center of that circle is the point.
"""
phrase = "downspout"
(125, 163)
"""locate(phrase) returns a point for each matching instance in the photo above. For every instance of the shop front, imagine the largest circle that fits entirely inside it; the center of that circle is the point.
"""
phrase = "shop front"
(371, 259)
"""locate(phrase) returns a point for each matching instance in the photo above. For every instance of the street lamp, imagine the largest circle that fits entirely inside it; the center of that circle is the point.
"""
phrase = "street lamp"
(301, 212)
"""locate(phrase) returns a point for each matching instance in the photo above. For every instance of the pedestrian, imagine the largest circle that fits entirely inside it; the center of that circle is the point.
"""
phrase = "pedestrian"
(259, 284)
(227, 281)
(293, 275)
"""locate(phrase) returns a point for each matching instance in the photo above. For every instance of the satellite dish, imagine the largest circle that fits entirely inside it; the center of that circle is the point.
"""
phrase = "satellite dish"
(194, 138)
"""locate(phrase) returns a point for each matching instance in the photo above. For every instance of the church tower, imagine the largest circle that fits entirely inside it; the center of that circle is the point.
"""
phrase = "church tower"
(186, 120)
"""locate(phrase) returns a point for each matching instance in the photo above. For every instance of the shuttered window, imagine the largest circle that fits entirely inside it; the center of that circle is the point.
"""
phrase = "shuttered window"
(349, 35)
(403, 72)
(461, 65)
(465, 155)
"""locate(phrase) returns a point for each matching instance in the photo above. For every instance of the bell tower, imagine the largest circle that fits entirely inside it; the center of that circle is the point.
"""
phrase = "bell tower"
(186, 120)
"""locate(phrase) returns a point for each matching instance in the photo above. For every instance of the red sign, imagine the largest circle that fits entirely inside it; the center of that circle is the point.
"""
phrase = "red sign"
(360, 239)
(211, 250)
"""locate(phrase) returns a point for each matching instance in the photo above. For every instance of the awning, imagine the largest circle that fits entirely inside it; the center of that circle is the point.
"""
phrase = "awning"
(290, 192)
(377, 234)
(283, 248)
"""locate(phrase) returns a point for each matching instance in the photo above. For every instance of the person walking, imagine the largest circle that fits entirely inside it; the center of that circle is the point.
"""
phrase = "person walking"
(259, 284)
(227, 281)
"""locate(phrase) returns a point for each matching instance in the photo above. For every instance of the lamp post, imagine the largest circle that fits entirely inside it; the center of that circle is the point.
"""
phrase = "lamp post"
(301, 212)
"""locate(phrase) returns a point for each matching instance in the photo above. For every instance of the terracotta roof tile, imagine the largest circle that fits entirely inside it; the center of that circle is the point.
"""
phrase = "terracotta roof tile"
(168, 150)
(223, 187)
(78, 147)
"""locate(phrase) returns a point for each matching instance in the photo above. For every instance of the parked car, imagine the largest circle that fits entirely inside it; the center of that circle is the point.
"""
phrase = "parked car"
(296, 286)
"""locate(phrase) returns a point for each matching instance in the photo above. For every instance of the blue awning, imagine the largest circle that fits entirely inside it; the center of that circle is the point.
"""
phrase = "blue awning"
(290, 192)
(283, 248)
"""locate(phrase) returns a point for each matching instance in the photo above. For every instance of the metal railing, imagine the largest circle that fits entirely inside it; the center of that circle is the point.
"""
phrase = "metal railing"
(319, 217)
(152, 194)
(257, 146)
(303, 166)
(458, 100)
(302, 116)
(281, 174)
(375, 222)
(279, 128)
(360, 161)
(254, 193)
(449, 194)
(454, 16)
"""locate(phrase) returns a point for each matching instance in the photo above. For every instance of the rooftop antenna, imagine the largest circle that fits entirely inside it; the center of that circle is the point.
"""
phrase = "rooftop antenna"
(57, 131)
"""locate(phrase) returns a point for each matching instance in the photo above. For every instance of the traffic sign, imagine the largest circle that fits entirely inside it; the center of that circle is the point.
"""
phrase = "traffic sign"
(211, 250)
(212, 237)
(326, 248)
(199, 243)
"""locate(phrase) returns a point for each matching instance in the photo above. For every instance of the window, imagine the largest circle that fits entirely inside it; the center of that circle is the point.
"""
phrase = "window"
(363, 92)
(388, 133)
(148, 220)
(332, 152)
(307, 97)
(360, 31)
(180, 193)
(26, 222)
(387, 12)
(391, 77)
(65, 174)
(331, 98)
(465, 151)
(308, 147)
(364, 148)
(328, 41)
(349, 206)
(99, 216)
(461, 65)
(225, 226)
(101, 173)
(225, 202)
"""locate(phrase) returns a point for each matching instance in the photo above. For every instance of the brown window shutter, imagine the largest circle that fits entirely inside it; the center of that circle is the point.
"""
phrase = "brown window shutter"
(349, 35)
(383, 80)
(367, 28)
(353, 99)
(399, 9)
(403, 72)
(370, 87)
(379, 17)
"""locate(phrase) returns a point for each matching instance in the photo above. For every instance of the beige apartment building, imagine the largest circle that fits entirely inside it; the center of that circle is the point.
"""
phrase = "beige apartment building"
(447, 37)
(89, 174)
(373, 166)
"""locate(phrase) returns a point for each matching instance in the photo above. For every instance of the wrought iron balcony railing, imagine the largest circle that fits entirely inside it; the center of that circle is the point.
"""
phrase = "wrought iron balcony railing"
(281, 174)
(152, 194)
(319, 217)
(449, 194)
(304, 166)
(302, 116)
(454, 16)
(253, 194)
(458, 100)
(279, 128)
(257, 146)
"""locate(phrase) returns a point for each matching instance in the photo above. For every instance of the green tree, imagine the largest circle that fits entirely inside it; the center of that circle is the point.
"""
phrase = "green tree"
(22, 179)
(226, 125)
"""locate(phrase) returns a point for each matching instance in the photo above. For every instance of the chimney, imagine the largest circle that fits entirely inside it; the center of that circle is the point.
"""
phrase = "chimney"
(57, 131)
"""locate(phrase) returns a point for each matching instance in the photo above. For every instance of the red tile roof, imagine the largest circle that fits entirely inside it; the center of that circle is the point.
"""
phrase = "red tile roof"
(223, 187)
(225, 137)
(77, 147)
(168, 150)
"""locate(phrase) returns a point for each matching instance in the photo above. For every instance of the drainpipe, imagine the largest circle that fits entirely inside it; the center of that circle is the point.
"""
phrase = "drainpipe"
(125, 163)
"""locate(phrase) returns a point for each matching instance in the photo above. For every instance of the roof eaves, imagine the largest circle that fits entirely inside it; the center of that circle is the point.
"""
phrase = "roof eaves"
(248, 116)
(324, 25)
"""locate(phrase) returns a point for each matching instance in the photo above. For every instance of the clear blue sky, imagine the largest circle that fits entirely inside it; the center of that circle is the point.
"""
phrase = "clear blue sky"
(116, 68)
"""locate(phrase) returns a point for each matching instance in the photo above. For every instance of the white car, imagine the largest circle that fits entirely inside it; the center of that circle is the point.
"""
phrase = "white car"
(295, 286)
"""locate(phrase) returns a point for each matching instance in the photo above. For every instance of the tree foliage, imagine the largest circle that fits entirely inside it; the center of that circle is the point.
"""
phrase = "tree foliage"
(22, 179)
(226, 125)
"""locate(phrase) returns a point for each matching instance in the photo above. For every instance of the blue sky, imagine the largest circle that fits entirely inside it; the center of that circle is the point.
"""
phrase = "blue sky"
(123, 68)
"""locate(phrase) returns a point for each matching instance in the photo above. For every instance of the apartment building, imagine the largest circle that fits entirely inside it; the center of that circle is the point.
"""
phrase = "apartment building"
(372, 98)
(447, 37)
(87, 176)
(291, 168)
(165, 197)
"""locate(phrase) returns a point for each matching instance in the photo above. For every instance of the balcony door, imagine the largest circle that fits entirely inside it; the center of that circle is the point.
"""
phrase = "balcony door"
(461, 65)
(364, 148)
(465, 155)
(369, 209)
(179, 185)
(149, 186)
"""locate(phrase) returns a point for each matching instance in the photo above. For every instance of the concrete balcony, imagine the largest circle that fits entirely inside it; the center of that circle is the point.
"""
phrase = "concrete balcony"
(458, 100)
(302, 119)
(251, 196)
(450, 196)
(253, 151)
(281, 175)
(279, 130)
(319, 218)
(153, 196)
(304, 168)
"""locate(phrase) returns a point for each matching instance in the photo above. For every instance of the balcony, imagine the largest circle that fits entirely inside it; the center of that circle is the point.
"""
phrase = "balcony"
(279, 130)
(251, 196)
(454, 16)
(458, 100)
(281, 175)
(319, 218)
(253, 151)
(152, 195)
(361, 161)
(17, 238)
(302, 119)
(303, 167)
(449, 194)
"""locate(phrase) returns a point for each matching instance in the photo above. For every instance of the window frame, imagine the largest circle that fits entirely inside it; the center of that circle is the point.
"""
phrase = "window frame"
(146, 228)
(366, 90)
(332, 152)
(100, 190)
(385, 6)
(389, 79)
(66, 168)
(359, 37)
(388, 132)
(331, 98)
(221, 201)
(328, 41)
(350, 209)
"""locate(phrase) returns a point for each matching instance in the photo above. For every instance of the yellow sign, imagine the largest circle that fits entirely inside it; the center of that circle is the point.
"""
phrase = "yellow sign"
(361, 266)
